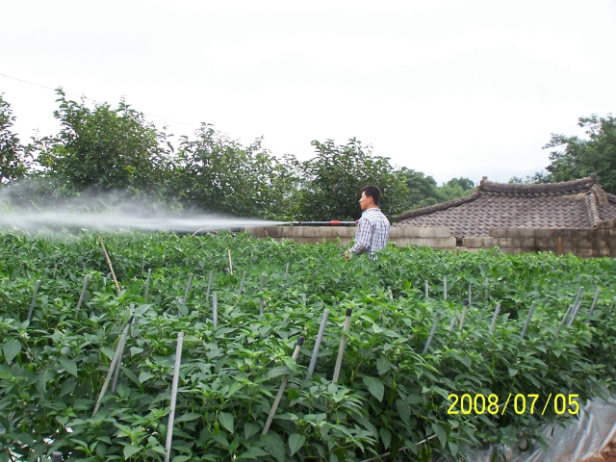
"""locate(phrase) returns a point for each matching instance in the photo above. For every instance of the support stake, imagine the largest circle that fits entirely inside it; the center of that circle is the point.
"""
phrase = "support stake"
(530, 313)
(36, 289)
(432, 331)
(317, 345)
(345, 329)
(174, 394)
(283, 386)
(109, 263)
(496, 312)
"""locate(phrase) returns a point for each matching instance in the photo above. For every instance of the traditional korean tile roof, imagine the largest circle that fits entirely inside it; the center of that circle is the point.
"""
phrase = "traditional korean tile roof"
(573, 204)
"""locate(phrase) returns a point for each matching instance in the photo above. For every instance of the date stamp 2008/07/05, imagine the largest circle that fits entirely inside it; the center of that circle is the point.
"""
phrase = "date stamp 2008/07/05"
(522, 403)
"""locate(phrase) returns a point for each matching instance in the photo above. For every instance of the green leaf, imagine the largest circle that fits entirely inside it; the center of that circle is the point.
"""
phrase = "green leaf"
(278, 371)
(275, 446)
(453, 447)
(188, 417)
(385, 437)
(226, 420)
(252, 453)
(11, 349)
(440, 433)
(382, 365)
(296, 441)
(145, 376)
(375, 387)
(250, 429)
(69, 365)
(181, 458)
(512, 372)
(404, 411)
(130, 450)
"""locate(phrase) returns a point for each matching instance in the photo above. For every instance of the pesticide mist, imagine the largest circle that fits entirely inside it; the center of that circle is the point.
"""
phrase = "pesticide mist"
(96, 214)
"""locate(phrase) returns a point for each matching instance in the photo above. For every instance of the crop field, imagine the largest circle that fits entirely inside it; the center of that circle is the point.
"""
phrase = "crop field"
(420, 354)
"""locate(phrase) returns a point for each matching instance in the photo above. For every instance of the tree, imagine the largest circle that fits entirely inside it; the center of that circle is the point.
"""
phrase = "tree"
(573, 157)
(218, 174)
(12, 155)
(103, 149)
(334, 177)
(423, 190)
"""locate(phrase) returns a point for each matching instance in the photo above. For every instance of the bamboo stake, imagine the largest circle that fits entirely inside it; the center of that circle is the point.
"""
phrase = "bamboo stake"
(109, 263)
(174, 394)
(469, 293)
(345, 329)
(611, 307)
(496, 311)
(55, 270)
(242, 282)
(118, 365)
(261, 290)
(83, 291)
(562, 323)
(452, 323)
(283, 386)
(530, 313)
(188, 286)
(465, 303)
(574, 313)
(147, 284)
(286, 274)
(432, 331)
(426, 289)
(215, 309)
(209, 286)
(304, 300)
(36, 289)
(230, 262)
(114, 360)
(445, 288)
(594, 302)
(317, 345)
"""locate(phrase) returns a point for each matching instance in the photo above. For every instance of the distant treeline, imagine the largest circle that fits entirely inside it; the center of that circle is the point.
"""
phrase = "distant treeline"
(109, 150)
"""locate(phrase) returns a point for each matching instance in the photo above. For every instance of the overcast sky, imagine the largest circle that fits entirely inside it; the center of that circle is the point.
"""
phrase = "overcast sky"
(449, 88)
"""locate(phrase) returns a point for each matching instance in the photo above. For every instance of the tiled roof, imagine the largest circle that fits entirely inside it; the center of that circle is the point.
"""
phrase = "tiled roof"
(572, 204)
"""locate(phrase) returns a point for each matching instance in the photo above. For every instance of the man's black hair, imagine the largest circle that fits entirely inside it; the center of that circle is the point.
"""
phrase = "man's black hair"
(374, 192)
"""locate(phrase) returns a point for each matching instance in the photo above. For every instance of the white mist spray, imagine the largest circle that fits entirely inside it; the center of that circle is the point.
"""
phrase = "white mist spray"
(125, 214)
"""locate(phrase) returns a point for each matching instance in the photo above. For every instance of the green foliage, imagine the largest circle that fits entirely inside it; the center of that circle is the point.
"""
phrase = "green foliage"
(334, 177)
(425, 192)
(219, 174)
(576, 157)
(103, 149)
(13, 163)
(573, 157)
(389, 395)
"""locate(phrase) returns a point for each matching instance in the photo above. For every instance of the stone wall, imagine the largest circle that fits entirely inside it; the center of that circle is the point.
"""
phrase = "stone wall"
(433, 237)
(593, 242)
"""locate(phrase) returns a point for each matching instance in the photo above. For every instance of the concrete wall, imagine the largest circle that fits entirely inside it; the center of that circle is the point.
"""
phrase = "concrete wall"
(432, 237)
(593, 242)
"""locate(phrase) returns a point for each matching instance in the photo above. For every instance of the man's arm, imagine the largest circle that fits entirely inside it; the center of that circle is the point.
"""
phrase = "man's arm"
(363, 237)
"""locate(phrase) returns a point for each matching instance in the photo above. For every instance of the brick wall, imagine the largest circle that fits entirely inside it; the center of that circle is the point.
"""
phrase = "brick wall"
(593, 242)
(432, 237)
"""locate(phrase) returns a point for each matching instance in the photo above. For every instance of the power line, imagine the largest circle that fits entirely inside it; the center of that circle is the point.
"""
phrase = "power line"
(90, 99)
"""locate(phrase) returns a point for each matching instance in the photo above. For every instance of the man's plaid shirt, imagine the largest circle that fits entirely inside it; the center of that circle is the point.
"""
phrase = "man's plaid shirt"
(372, 232)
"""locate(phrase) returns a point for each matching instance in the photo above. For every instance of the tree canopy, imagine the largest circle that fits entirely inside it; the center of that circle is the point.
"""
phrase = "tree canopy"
(574, 157)
(106, 149)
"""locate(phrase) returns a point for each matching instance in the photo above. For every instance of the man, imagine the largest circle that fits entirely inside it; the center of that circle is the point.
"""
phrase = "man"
(373, 227)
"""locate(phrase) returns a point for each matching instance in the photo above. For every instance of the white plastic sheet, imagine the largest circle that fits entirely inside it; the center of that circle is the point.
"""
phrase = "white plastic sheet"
(591, 437)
